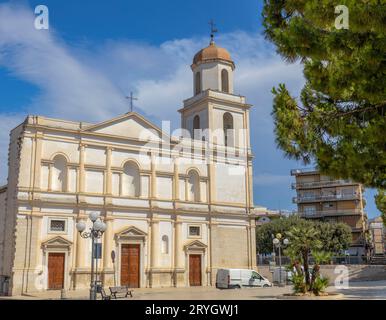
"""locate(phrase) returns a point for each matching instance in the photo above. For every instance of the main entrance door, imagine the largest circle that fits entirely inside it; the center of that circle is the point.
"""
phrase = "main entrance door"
(130, 257)
(195, 270)
(55, 270)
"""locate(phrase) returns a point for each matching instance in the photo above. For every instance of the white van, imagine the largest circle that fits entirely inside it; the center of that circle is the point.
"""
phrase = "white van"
(238, 278)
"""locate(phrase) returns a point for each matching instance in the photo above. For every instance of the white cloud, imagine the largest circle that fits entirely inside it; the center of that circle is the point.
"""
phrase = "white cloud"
(69, 88)
(89, 82)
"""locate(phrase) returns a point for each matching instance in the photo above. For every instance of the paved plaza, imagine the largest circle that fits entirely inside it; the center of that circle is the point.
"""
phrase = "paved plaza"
(356, 290)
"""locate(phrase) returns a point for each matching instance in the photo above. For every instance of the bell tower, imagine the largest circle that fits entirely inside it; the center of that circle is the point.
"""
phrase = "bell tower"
(216, 115)
(214, 106)
(212, 69)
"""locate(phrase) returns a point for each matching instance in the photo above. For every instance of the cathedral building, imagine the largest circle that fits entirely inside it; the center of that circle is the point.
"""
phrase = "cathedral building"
(176, 208)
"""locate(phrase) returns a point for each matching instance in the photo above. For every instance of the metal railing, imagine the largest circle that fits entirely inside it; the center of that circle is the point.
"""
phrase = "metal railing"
(331, 197)
(325, 213)
(336, 260)
(320, 184)
(304, 170)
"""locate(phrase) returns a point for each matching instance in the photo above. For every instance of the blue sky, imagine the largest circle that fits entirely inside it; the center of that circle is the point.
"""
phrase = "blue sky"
(95, 52)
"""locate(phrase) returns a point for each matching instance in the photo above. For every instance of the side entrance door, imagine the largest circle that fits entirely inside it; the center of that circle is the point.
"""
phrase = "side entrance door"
(130, 258)
(195, 270)
(56, 270)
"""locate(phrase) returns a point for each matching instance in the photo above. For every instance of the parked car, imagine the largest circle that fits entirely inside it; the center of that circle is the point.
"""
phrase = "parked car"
(238, 278)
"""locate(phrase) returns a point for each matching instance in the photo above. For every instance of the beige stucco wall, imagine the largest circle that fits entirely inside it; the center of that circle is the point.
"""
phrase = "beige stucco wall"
(162, 208)
(211, 75)
(34, 205)
(355, 272)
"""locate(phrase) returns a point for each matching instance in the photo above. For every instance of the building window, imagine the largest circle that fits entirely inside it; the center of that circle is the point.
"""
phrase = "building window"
(309, 195)
(228, 129)
(328, 205)
(224, 81)
(193, 186)
(165, 244)
(310, 211)
(196, 122)
(131, 180)
(196, 126)
(198, 83)
(59, 174)
(194, 231)
(57, 225)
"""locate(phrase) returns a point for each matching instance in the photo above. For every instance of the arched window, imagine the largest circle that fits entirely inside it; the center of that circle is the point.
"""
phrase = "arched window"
(224, 81)
(59, 174)
(196, 122)
(165, 244)
(198, 82)
(196, 127)
(193, 186)
(130, 180)
(228, 129)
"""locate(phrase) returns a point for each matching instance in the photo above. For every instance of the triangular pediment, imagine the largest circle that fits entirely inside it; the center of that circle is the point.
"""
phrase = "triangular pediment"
(130, 125)
(131, 232)
(57, 242)
(195, 244)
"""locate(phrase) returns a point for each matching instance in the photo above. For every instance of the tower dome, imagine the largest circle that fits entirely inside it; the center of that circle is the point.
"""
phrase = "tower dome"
(212, 53)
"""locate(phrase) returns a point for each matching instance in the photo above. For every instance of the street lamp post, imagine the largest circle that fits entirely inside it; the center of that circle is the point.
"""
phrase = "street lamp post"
(96, 232)
(278, 243)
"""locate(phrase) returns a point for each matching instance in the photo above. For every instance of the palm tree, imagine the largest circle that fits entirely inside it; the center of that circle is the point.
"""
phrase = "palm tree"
(318, 283)
(303, 240)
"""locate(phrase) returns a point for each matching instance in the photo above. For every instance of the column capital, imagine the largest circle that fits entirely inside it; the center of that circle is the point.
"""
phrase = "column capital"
(177, 220)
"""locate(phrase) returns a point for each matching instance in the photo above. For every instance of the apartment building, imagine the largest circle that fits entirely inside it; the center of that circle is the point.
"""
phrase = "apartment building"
(323, 198)
(378, 236)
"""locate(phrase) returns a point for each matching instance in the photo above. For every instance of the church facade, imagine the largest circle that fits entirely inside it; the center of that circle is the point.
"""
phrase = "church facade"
(176, 207)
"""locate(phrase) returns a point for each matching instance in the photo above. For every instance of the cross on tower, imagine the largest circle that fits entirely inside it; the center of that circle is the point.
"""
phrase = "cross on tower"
(131, 98)
(213, 30)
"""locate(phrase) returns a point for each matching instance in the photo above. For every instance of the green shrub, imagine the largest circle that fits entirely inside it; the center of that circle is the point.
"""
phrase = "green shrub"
(319, 285)
(299, 284)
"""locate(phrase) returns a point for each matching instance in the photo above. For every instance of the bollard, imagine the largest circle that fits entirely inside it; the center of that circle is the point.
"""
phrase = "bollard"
(63, 294)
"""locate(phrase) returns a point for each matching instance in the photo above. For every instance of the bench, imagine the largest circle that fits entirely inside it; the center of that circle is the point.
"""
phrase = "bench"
(121, 292)
(103, 294)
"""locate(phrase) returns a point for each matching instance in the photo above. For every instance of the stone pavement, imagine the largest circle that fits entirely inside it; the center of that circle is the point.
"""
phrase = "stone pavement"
(357, 290)
(192, 293)
(369, 290)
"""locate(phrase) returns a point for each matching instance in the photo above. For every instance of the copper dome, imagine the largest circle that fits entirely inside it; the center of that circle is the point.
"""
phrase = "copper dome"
(212, 53)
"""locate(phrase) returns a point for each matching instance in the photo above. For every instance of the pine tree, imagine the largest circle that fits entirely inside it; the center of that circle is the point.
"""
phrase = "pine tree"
(339, 120)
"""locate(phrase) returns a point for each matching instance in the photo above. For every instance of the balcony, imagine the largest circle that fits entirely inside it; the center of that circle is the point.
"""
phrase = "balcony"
(329, 213)
(358, 243)
(321, 184)
(295, 172)
(332, 197)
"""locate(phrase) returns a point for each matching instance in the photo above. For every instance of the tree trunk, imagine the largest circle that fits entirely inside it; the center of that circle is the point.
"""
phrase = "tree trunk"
(315, 274)
(306, 268)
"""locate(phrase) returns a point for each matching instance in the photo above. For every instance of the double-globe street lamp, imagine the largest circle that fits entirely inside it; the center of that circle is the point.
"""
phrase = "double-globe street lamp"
(96, 232)
(279, 243)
